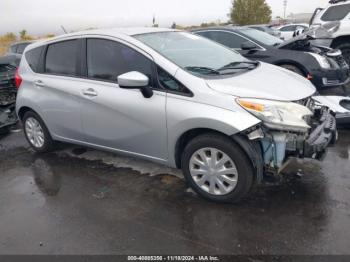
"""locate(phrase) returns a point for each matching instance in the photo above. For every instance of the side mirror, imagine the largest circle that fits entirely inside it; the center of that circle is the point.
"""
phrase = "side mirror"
(248, 46)
(135, 80)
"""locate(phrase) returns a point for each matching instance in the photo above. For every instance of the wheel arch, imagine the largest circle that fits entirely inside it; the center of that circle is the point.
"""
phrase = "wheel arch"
(23, 110)
(302, 68)
(340, 40)
(252, 149)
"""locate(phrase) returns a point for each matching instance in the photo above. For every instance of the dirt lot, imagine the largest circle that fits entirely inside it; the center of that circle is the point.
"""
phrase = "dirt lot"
(79, 201)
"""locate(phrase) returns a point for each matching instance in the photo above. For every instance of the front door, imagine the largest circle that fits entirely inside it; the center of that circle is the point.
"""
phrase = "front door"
(117, 118)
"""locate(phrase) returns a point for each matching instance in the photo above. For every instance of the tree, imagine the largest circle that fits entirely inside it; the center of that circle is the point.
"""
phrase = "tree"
(22, 34)
(249, 12)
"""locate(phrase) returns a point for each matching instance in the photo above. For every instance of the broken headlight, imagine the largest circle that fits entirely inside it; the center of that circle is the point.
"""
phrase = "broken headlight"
(286, 116)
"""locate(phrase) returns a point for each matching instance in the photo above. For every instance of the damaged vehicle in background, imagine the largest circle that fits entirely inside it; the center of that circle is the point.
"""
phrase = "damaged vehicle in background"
(174, 98)
(8, 118)
(8, 66)
(324, 67)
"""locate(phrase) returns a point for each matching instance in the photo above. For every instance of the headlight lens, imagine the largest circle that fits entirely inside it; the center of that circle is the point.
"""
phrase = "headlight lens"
(323, 62)
(278, 115)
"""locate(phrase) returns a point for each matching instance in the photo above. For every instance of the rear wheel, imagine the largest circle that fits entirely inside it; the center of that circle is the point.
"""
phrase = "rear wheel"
(217, 168)
(345, 49)
(293, 69)
(37, 133)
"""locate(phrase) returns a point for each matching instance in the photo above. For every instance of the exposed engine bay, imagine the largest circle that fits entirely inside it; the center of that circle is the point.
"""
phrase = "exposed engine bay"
(278, 146)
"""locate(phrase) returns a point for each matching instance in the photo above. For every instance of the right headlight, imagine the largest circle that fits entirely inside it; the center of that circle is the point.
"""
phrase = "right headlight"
(322, 61)
(286, 116)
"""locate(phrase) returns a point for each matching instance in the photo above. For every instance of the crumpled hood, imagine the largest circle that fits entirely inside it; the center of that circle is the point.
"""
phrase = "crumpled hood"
(265, 82)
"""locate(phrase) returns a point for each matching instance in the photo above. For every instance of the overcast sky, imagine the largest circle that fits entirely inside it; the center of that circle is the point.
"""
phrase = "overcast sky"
(40, 17)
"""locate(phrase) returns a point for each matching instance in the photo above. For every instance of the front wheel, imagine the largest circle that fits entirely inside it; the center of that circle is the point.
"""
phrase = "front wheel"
(216, 168)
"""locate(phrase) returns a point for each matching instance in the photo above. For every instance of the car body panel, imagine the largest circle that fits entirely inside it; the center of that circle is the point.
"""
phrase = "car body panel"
(250, 85)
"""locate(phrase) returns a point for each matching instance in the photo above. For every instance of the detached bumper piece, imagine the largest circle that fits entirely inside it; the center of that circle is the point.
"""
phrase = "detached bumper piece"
(322, 136)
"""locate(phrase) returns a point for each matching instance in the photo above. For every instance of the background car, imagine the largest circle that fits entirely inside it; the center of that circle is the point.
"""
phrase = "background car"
(287, 31)
(18, 48)
(267, 29)
(336, 17)
(324, 68)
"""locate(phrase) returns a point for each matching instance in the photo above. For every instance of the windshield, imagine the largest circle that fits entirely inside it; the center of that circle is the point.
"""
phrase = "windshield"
(260, 36)
(191, 52)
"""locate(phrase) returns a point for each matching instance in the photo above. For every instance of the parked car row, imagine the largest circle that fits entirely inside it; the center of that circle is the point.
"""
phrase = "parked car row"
(175, 98)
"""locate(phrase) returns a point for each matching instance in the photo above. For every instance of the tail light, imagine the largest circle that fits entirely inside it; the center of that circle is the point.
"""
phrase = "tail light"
(18, 79)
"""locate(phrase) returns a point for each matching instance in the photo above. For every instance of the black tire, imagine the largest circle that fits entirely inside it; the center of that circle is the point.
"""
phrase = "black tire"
(4, 131)
(48, 144)
(345, 49)
(228, 146)
(293, 68)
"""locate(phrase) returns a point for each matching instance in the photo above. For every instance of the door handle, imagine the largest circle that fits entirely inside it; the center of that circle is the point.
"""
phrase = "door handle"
(89, 92)
(39, 83)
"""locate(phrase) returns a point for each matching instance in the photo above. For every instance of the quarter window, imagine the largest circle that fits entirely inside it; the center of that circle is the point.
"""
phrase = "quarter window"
(33, 57)
(107, 59)
(335, 13)
(168, 82)
(61, 58)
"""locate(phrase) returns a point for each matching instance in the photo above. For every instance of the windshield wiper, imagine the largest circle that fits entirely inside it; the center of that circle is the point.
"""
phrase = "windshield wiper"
(239, 65)
(203, 70)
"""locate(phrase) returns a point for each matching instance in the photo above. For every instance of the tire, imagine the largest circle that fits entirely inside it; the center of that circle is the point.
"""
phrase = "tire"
(32, 119)
(345, 49)
(4, 131)
(293, 69)
(224, 146)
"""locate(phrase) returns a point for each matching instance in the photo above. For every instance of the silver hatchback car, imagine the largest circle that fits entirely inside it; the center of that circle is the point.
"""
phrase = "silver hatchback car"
(174, 98)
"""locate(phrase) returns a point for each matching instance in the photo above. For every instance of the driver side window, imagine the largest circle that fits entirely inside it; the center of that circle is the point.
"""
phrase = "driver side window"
(107, 59)
(225, 38)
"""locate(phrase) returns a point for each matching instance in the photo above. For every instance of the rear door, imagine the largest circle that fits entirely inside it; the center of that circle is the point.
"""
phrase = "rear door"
(59, 91)
(117, 118)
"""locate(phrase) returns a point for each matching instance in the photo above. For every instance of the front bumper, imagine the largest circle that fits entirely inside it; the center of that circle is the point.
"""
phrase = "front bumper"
(322, 136)
(279, 146)
(331, 78)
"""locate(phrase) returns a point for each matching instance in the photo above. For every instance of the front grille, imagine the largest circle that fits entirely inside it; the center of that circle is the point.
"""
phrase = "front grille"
(340, 61)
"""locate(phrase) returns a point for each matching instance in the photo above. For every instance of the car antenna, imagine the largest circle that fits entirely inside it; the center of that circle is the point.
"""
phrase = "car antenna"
(64, 30)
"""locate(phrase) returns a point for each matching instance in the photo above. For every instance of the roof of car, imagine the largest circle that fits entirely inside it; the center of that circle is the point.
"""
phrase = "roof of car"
(116, 32)
(228, 27)
(23, 42)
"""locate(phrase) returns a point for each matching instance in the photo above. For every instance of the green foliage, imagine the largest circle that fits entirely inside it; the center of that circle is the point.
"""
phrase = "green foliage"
(249, 12)
(22, 34)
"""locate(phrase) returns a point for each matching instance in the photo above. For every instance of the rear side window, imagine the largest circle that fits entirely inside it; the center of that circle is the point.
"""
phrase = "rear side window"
(61, 58)
(21, 48)
(107, 59)
(13, 49)
(227, 39)
(335, 13)
(33, 57)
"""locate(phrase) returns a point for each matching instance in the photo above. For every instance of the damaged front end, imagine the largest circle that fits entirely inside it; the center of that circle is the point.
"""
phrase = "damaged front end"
(8, 92)
(305, 133)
